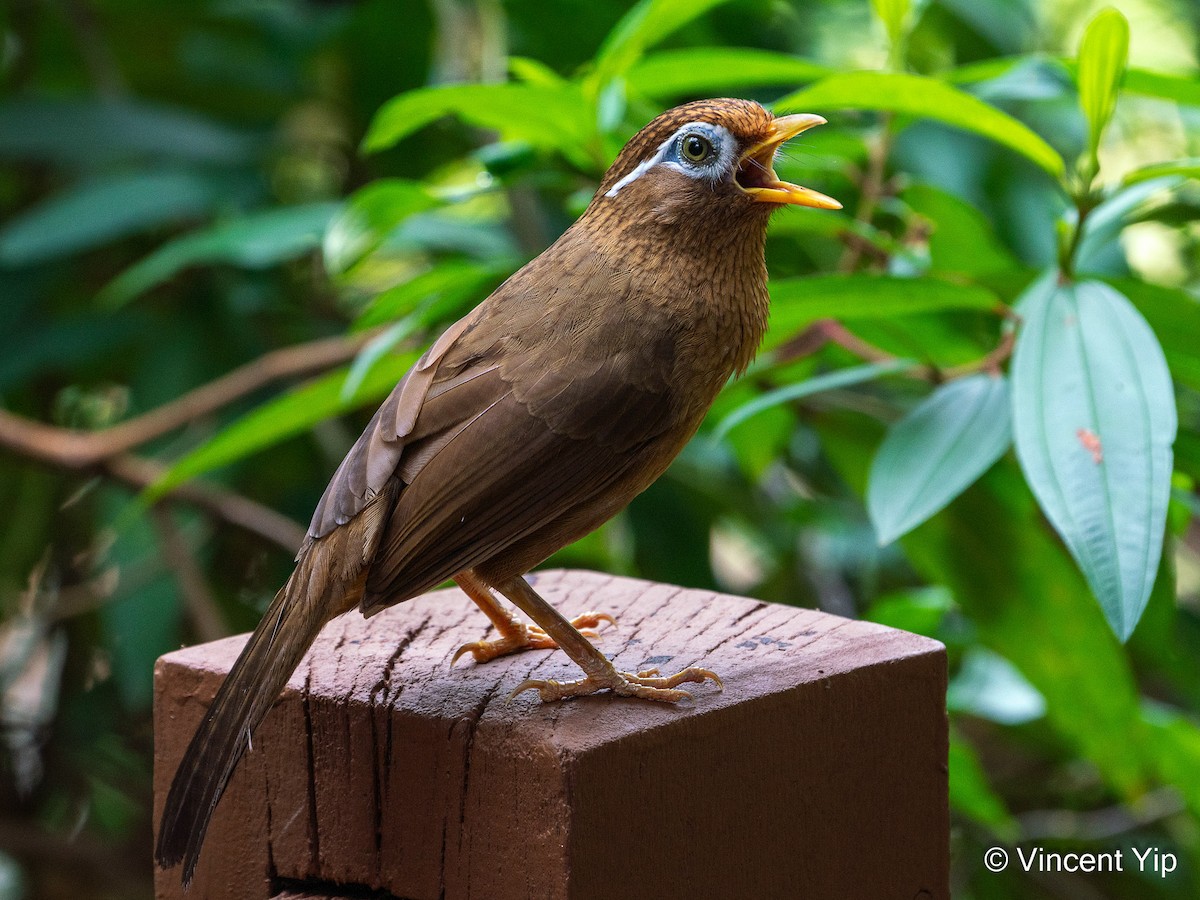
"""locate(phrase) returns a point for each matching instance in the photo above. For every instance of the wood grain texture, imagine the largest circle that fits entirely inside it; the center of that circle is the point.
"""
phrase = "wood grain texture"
(820, 770)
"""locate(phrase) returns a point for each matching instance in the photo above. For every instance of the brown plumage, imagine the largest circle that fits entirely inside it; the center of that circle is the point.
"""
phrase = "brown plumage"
(530, 422)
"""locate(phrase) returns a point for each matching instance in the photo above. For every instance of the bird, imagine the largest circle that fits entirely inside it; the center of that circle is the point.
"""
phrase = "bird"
(529, 423)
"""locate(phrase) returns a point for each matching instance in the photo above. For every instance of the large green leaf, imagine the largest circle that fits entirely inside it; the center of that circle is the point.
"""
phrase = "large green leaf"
(642, 27)
(935, 452)
(554, 116)
(95, 212)
(1102, 58)
(917, 95)
(1175, 749)
(91, 133)
(1028, 602)
(711, 70)
(802, 222)
(256, 241)
(370, 216)
(1094, 420)
(1174, 314)
(1183, 89)
(828, 382)
(970, 793)
(962, 241)
(283, 417)
(452, 283)
(894, 14)
(988, 686)
(797, 302)
(1103, 226)
(1188, 168)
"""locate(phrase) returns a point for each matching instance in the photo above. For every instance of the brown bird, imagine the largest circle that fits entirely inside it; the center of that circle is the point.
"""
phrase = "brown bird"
(529, 423)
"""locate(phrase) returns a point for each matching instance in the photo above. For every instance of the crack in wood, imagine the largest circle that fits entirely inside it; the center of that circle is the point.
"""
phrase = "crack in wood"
(314, 833)
(757, 607)
(471, 723)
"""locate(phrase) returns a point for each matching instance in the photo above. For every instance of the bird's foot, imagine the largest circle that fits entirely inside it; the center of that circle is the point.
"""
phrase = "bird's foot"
(648, 685)
(522, 636)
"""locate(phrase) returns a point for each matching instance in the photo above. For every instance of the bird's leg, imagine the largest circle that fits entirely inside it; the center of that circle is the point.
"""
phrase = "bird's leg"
(599, 672)
(514, 635)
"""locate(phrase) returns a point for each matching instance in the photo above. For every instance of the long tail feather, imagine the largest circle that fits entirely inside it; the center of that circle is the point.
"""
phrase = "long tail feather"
(278, 644)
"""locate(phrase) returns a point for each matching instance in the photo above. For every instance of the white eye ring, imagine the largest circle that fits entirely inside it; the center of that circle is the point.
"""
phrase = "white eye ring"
(671, 154)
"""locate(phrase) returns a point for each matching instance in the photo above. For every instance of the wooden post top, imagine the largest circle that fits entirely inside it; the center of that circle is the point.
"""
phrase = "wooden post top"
(805, 695)
(401, 657)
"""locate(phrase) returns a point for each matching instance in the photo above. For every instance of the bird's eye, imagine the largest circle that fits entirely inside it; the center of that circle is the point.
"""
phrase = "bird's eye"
(696, 148)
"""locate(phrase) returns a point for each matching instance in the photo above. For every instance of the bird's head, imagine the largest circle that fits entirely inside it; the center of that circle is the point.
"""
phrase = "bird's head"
(706, 161)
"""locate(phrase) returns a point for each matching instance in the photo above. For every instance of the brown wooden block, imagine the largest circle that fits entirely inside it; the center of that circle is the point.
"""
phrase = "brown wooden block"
(819, 772)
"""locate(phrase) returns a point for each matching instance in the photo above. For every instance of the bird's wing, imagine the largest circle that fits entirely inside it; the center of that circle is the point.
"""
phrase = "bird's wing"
(523, 412)
(375, 456)
(507, 473)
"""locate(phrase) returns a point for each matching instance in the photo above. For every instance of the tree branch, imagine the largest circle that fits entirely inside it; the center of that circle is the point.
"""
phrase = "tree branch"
(226, 505)
(870, 191)
(70, 449)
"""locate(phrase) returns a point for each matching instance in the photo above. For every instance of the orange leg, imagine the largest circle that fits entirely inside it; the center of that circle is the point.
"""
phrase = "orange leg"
(600, 674)
(514, 635)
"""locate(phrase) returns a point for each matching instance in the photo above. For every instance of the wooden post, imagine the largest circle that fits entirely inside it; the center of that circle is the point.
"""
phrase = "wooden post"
(819, 772)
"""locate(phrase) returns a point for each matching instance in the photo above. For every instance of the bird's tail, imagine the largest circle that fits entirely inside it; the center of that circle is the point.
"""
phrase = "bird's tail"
(291, 624)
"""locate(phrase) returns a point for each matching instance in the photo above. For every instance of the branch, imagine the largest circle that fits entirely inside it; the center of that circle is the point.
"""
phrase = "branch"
(226, 505)
(870, 191)
(70, 449)
(831, 331)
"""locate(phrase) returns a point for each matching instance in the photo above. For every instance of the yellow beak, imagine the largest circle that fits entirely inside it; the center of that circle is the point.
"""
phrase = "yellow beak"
(756, 175)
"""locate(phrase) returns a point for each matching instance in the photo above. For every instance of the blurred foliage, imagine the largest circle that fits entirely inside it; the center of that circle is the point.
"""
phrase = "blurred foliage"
(187, 187)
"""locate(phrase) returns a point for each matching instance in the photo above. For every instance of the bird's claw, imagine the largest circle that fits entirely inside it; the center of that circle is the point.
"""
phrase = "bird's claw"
(646, 685)
(530, 637)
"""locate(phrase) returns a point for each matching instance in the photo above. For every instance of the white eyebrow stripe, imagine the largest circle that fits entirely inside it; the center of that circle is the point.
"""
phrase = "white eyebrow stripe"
(660, 155)
(645, 165)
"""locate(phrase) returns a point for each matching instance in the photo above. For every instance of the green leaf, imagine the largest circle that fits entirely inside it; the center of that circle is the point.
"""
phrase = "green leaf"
(141, 622)
(797, 302)
(894, 16)
(970, 793)
(1027, 600)
(450, 284)
(921, 610)
(1183, 89)
(711, 70)
(839, 379)
(255, 241)
(935, 452)
(1174, 314)
(642, 27)
(1188, 168)
(550, 116)
(374, 352)
(284, 417)
(1103, 226)
(1094, 420)
(989, 686)
(828, 223)
(917, 95)
(962, 241)
(96, 212)
(1103, 55)
(369, 216)
(1174, 748)
(92, 133)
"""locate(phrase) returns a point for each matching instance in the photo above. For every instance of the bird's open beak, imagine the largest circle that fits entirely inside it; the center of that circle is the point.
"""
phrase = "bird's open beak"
(756, 175)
